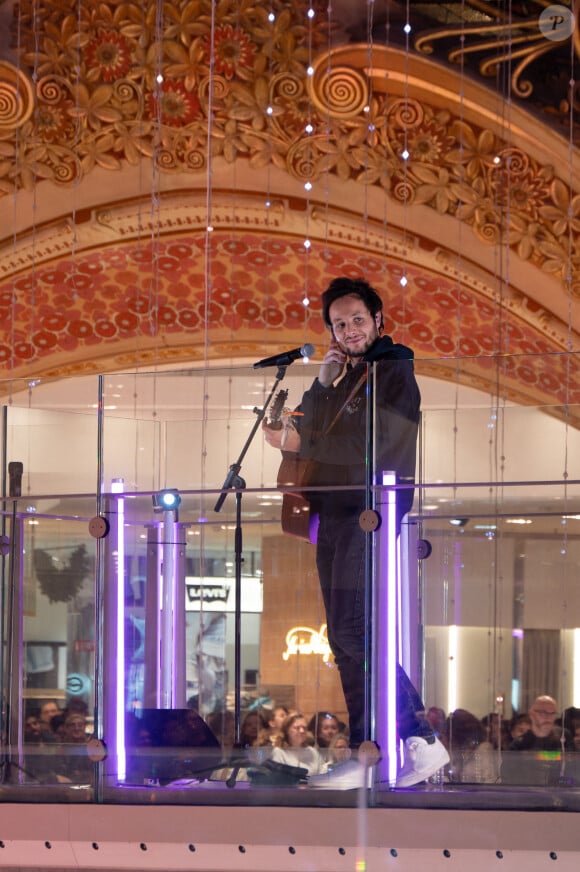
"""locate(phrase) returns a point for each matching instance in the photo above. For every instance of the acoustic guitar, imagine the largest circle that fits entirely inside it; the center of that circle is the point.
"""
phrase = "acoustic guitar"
(296, 518)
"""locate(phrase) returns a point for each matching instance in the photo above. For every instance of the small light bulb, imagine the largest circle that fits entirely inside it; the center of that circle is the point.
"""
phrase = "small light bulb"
(159, 78)
(403, 281)
(271, 16)
(309, 128)
(308, 186)
(311, 13)
(405, 154)
(307, 243)
(310, 71)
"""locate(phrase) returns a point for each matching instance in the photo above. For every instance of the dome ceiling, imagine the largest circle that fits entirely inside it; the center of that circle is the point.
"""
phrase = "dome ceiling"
(460, 204)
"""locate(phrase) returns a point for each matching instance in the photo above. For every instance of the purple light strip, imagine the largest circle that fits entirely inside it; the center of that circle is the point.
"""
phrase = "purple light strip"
(117, 487)
(399, 593)
(386, 633)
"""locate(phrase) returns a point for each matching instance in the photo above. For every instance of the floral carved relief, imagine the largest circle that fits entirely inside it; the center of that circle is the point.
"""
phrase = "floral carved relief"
(108, 84)
(99, 311)
(116, 81)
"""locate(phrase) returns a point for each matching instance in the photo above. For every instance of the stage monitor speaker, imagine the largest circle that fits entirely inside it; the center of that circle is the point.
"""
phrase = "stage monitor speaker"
(165, 745)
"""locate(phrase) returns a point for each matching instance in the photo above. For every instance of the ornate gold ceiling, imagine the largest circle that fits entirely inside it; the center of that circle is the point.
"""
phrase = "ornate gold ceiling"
(125, 132)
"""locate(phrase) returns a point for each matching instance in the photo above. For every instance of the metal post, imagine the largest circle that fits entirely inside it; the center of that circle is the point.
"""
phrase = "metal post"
(152, 688)
(15, 639)
(172, 667)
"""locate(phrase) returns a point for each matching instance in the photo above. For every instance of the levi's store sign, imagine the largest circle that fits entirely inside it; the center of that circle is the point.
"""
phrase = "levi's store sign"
(215, 594)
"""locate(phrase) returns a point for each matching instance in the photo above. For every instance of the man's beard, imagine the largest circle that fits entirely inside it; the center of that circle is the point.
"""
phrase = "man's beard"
(356, 355)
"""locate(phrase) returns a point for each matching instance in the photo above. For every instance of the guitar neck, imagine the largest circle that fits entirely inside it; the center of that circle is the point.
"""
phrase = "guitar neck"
(277, 409)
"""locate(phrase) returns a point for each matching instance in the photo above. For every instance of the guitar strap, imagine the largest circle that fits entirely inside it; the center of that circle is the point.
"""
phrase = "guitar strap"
(296, 517)
(349, 399)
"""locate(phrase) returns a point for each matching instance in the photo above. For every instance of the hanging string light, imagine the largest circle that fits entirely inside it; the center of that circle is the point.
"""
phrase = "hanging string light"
(568, 573)
(310, 15)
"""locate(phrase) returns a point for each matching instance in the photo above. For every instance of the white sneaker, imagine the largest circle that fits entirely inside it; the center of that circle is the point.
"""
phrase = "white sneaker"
(346, 776)
(422, 760)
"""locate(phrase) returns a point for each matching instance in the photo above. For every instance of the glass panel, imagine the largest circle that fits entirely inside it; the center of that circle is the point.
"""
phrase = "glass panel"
(50, 648)
(497, 513)
(182, 686)
(283, 663)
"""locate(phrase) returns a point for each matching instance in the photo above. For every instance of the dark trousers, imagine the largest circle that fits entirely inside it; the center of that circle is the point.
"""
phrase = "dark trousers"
(340, 560)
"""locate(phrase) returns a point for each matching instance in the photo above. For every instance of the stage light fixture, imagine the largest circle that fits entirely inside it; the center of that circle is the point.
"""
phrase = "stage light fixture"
(167, 500)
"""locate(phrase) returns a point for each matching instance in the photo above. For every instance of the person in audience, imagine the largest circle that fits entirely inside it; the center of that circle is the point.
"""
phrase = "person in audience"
(279, 715)
(292, 746)
(33, 768)
(222, 725)
(543, 734)
(48, 710)
(57, 728)
(324, 727)
(264, 738)
(71, 764)
(570, 719)
(496, 730)
(436, 717)
(273, 720)
(339, 750)
(472, 757)
(519, 725)
(251, 728)
(32, 729)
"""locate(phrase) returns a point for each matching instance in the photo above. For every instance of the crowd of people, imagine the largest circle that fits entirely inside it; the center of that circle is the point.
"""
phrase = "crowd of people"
(55, 742)
(479, 749)
(528, 748)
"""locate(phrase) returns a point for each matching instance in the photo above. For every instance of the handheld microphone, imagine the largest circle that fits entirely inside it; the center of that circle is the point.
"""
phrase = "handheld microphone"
(286, 357)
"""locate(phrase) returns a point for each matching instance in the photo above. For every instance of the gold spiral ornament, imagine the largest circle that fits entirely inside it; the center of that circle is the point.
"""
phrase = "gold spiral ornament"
(301, 160)
(286, 86)
(406, 114)
(195, 159)
(219, 89)
(341, 92)
(125, 90)
(66, 167)
(16, 97)
(165, 160)
(514, 161)
(403, 191)
(488, 230)
(50, 90)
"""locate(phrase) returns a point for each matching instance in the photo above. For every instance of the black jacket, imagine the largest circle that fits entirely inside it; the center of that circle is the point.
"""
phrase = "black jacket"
(340, 454)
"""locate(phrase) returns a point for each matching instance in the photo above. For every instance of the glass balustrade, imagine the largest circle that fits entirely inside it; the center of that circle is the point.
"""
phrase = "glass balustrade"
(159, 624)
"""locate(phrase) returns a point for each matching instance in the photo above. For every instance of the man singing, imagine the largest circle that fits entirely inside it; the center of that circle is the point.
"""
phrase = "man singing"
(331, 431)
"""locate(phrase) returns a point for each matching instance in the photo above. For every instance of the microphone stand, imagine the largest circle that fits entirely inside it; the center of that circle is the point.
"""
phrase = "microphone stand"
(235, 481)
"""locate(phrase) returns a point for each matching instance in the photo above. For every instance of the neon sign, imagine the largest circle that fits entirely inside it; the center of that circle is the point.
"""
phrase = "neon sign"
(306, 640)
